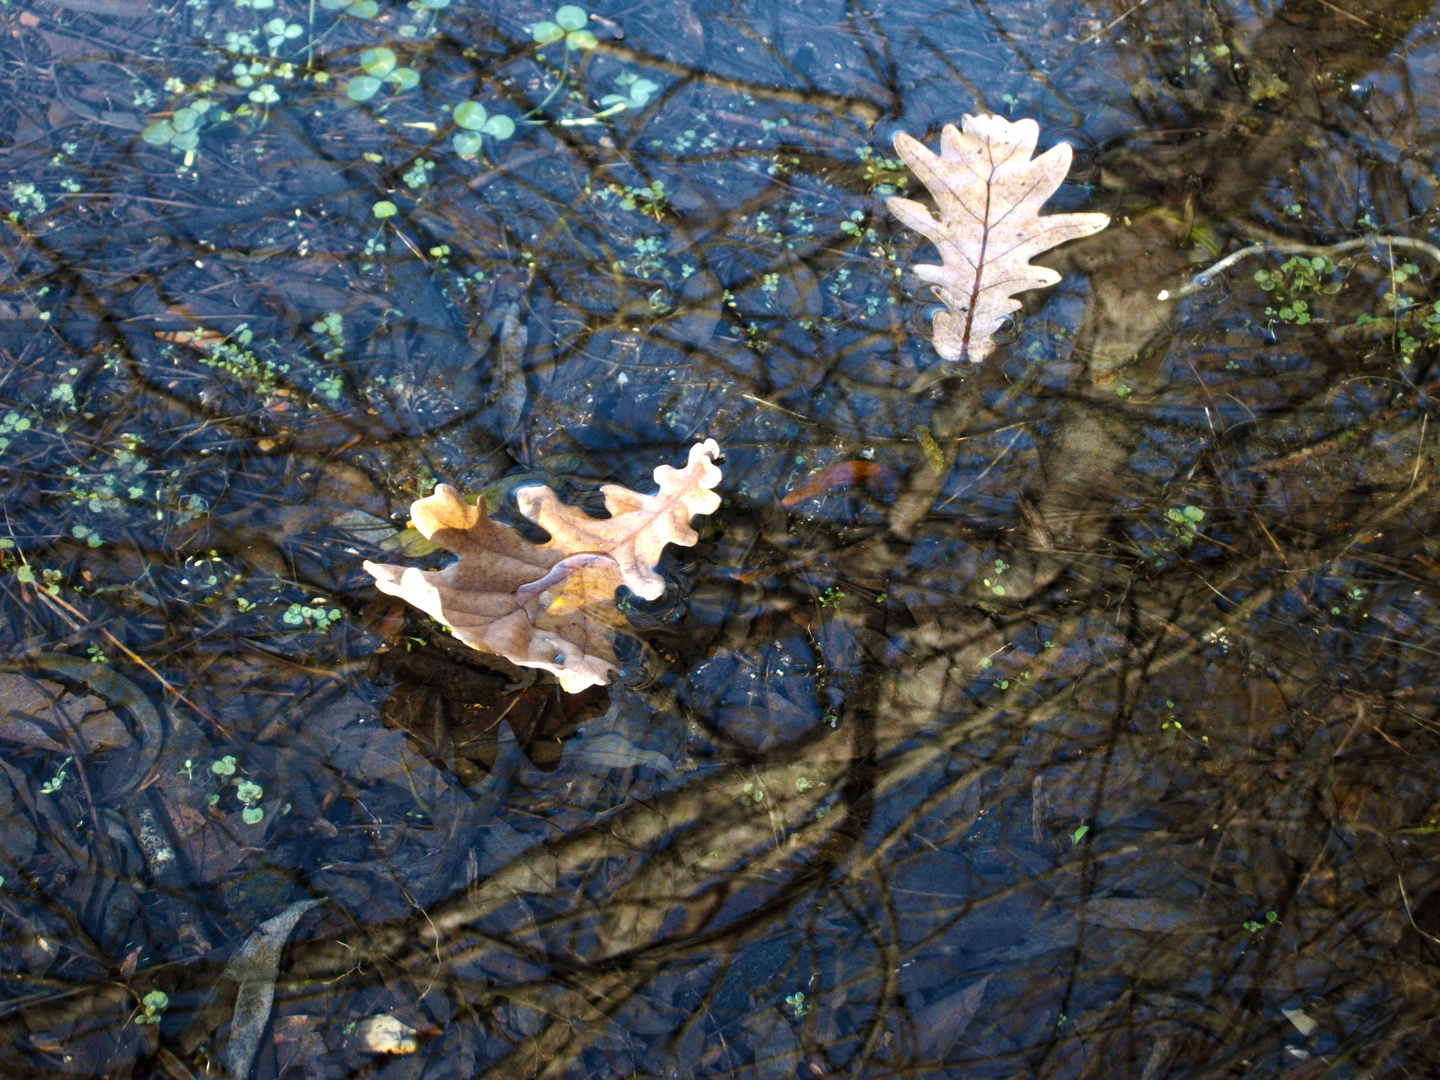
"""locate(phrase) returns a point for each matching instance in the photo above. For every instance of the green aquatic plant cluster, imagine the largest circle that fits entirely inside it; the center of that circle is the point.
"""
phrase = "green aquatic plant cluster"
(381, 66)
(882, 175)
(1427, 333)
(51, 786)
(29, 199)
(1415, 327)
(317, 615)
(1184, 524)
(255, 81)
(1297, 277)
(247, 791)
(333, 328)
(12, 424)
(649, 199)
(418, 174)
(1181, 530)
(637, 95)
(1254, 926)
(153, 1006)
(278, 32)
(181, 131)
(236, 360)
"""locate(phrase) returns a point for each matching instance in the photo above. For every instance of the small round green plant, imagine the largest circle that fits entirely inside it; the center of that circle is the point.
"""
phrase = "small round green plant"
(474, 121)
(154, 1003)
(637, 94)
(568, 26)
(362, 87)
(181, 130)
(54, 785)
(378, 62)
(1184, 523)
(250, 793)
(306, 614)
(278, 31)
(418, 174)
(379, 66)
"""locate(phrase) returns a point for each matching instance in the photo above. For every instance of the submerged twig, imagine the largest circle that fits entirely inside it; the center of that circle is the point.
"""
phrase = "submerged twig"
(165, 683)
(1406, 900)
(1203, 279)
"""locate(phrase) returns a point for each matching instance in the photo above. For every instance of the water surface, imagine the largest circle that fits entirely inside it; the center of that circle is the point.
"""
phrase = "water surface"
(1095, 736)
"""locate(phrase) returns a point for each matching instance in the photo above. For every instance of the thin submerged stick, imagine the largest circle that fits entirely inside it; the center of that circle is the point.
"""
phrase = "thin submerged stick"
(165, 683)
(1203, 279)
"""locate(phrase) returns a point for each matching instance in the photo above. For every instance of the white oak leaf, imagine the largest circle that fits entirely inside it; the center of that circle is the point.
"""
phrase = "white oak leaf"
(509, 597)
(988, 191)
(639, 526)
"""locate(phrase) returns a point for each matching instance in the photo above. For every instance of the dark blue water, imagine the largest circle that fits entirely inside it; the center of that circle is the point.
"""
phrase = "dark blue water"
(1078, 720)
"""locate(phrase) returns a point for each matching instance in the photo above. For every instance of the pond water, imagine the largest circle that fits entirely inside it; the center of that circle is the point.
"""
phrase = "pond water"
(1073, 714)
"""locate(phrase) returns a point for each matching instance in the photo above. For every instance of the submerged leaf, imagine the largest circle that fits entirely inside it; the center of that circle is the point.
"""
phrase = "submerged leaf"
(378, 62)
(989, 193)
(362, 87)
(384, 1034)
(842, 474)
(255, 966)
(470, 115)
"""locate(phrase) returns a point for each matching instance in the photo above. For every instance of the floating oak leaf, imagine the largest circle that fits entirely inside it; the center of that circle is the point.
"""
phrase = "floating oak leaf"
(989, 193)
(479, 598)
(553, 606)
(639, 526)
(573, 611)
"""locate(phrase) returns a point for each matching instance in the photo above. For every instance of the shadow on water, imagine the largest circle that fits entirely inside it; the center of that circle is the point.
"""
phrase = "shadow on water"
(1087, 729)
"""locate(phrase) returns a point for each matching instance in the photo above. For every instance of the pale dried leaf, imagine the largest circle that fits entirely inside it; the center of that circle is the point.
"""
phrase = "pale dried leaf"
(639, 526)
(383, 1034)
(552, 607)
(479, 598)
(1303, 1022)
(989, 192)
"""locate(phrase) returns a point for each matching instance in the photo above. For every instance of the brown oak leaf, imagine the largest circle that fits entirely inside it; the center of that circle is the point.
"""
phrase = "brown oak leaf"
(989, 193)
(552, 606)
(639, 526)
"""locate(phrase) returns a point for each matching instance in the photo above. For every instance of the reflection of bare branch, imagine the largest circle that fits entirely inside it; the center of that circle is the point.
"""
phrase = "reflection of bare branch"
(860, 108)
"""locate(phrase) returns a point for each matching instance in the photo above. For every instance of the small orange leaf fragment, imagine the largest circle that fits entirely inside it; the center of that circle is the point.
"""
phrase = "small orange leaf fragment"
(200, 339)
(842, 474)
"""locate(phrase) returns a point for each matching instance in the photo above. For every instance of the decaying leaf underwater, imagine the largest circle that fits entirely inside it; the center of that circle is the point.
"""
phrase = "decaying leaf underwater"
(552, 606)
(989, 192)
